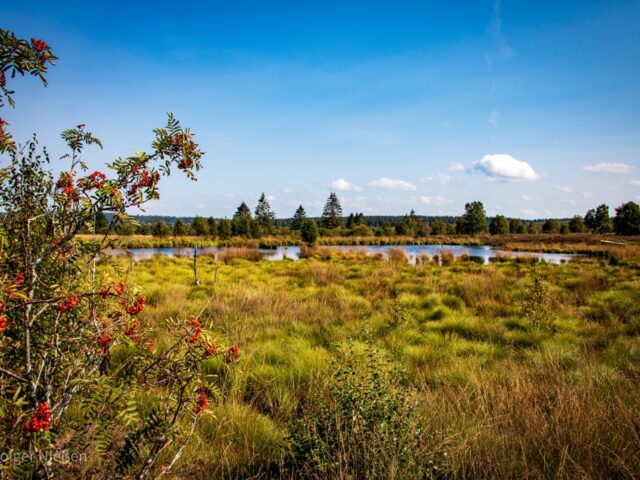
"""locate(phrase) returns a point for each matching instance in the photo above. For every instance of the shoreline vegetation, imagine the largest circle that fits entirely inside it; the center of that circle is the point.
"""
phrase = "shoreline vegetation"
(576, 243)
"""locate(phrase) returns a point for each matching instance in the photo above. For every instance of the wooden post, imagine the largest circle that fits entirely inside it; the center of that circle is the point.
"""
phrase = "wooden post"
(195, 266)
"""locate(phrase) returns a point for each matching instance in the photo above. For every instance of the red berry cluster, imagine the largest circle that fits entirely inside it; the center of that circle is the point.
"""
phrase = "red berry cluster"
(40, 420)
(19, 280)
(3, 318)
(197, 330)
(3, 79)
(120, 287)
(136, 307)
(181, 143)
(68, 303)
(134, 331)
(232, 354)
(95, 180)
(66, 185)
(210, 348)
(39, 45)
(201, 403)
(146, 180)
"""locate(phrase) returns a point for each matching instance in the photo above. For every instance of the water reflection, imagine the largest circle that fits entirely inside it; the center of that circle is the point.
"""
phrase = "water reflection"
(479, 254)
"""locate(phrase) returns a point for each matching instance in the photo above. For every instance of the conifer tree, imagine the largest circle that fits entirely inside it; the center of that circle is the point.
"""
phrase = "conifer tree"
(241, 224)
(264, 215)
(332, 212)
(298, 217)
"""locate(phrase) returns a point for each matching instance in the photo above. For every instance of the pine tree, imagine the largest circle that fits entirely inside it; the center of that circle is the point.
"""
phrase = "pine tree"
(298, 217)
(242, 223)
(332, 212)
(243, 210)
(351, 221)
(264, 214)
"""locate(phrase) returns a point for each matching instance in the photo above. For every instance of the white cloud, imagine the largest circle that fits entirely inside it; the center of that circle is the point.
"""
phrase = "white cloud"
(563, 188)
(271, 198)
(502, 166)
(437, 200)
(343, 186)
(548, 212)
(392, 183)
(493, 118)
(456, 168)
(605, 167)
(530, 212)
(526, 197)
(587, 194)
(635, 183)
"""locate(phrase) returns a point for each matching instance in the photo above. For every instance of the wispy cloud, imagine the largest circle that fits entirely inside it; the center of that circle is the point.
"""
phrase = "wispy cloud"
(392, 183)
(529, 212)
(503, 49)
(344, 186)
(563, 188)
(526, 198)
(493, 118)
(606, 167)
(456, 168)
(502, 166)
(440, 178)
(635, 183)
(437, 200)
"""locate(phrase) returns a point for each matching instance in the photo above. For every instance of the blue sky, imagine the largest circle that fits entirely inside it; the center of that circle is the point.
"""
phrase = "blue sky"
(531, 107)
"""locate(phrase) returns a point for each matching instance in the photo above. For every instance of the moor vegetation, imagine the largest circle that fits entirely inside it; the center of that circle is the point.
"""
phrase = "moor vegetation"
(361, 367)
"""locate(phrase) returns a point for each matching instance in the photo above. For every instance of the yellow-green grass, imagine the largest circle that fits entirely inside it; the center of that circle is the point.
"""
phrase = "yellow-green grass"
(499, 396)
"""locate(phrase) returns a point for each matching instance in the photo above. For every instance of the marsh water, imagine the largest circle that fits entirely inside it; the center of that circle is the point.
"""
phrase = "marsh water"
(480, 254)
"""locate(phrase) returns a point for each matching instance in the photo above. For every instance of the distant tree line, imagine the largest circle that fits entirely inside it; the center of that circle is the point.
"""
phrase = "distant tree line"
(474, 221)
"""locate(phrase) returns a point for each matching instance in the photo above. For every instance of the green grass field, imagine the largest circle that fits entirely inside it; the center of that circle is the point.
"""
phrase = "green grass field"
(366, 368)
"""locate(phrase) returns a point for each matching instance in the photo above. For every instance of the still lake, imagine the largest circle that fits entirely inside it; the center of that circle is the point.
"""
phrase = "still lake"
(481, 254)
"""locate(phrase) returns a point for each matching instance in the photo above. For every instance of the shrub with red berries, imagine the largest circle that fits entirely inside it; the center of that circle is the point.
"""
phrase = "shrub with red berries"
(68, 304)
(40, 420)
(76, 342)
(201, 403)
